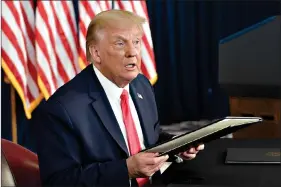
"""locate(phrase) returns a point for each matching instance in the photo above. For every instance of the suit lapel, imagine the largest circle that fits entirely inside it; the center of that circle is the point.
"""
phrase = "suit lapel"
(102, 106)
(142, 107)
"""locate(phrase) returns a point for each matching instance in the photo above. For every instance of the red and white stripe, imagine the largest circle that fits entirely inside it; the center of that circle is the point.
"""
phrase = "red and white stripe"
(87, 11)
(18, 54)
(56, 44)
(148, 61)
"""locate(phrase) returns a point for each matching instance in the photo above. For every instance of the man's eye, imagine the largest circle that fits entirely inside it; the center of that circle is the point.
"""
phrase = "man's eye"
(120, 43)
(137, 42)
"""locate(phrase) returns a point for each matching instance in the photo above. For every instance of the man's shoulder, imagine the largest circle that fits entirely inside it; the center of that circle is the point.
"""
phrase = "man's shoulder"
(74, 89)
(142, 83)
(141, 80)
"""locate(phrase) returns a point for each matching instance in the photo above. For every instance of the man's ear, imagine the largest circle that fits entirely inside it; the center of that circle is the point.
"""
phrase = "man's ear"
(94, 51)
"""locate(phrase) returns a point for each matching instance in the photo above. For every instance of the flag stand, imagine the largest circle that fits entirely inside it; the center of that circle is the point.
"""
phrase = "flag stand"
(13, 115)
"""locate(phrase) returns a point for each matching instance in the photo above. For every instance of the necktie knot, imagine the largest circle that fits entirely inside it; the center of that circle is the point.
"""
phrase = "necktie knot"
(124, 95)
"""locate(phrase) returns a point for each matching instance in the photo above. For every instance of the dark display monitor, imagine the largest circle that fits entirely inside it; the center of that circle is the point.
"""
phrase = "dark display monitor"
(250, 61)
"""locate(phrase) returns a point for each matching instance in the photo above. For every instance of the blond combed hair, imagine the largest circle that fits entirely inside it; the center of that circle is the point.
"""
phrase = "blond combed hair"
(109, 18)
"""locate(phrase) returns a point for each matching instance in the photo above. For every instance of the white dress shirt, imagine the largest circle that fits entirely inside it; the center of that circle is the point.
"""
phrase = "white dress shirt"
(113, 93)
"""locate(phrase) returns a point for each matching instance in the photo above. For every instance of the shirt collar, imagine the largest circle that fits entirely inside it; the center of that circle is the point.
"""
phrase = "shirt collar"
(111, 89)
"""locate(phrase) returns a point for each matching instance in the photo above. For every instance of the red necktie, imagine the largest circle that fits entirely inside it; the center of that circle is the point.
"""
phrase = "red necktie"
(132, 135)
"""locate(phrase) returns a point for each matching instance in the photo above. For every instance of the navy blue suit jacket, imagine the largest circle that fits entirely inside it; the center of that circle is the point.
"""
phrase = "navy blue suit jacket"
(79, 141)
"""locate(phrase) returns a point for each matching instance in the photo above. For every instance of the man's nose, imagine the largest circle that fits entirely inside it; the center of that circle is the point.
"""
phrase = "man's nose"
(131, 51)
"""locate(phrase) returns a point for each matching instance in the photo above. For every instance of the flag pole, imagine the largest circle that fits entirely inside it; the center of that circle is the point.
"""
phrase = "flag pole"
(14, 115)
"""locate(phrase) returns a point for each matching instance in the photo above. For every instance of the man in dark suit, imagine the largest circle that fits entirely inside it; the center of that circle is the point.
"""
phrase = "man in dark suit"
(91, 130)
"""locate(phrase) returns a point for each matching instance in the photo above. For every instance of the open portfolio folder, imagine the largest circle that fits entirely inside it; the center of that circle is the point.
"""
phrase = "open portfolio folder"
(212, 131)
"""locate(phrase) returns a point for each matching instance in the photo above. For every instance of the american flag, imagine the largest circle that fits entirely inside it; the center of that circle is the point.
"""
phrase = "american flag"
(148, 67)
(88, 9)
(40, 48)
(18, 53)
(56, 44)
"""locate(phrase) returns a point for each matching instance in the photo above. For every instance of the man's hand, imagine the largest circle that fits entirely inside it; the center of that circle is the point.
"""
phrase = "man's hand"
(191, 153)
(144, 164)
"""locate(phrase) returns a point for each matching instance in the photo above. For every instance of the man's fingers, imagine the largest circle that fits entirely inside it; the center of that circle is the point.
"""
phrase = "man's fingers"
(194, 150)
(148, 155)
(161, 159)
(189, 155)
(155, 168)
(149, 170)
(191, 151)
(145, 164)
(157, 160)
(148, 163)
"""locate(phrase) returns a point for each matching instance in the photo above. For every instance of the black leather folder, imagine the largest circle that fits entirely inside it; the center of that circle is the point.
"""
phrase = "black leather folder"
(253, 156)
(212, 131)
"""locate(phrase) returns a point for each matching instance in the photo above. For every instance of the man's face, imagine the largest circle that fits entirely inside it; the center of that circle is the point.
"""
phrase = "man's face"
(118, 53)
